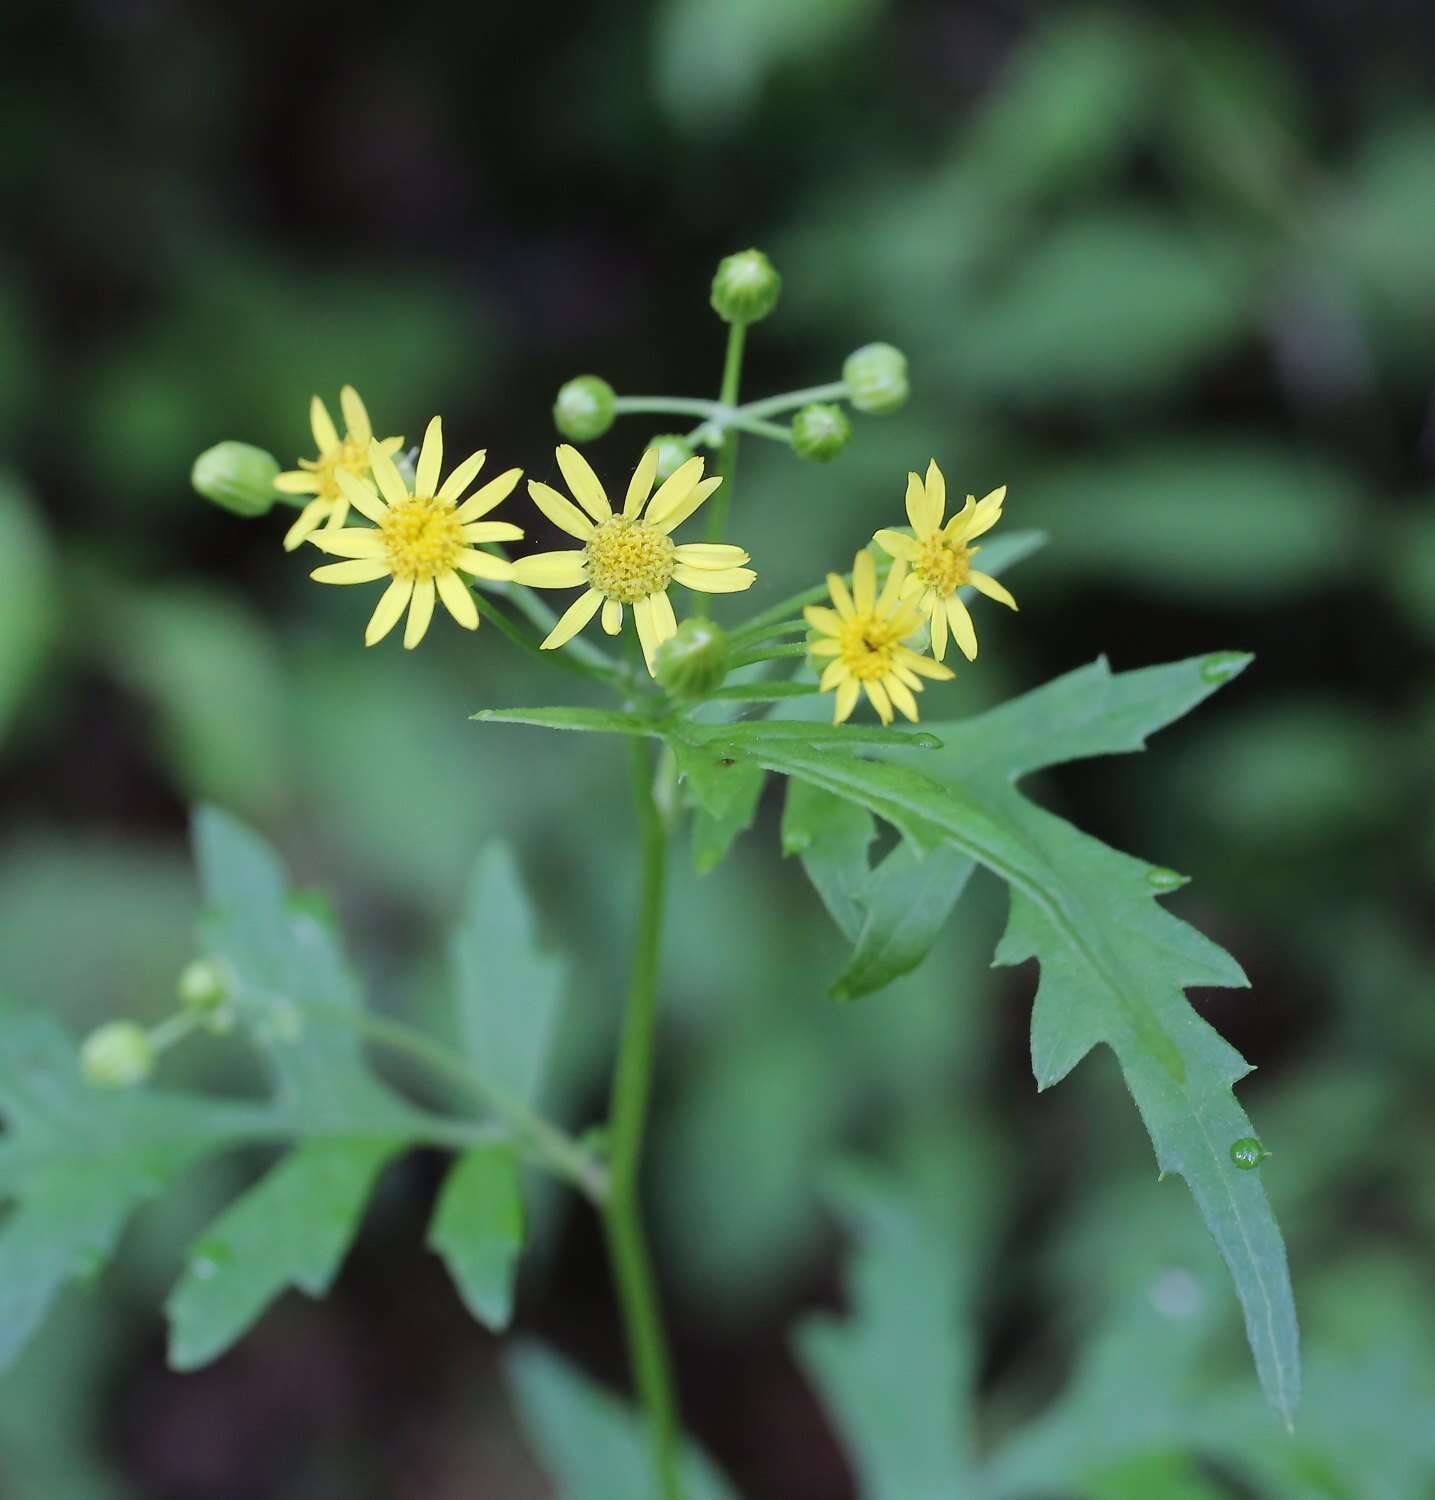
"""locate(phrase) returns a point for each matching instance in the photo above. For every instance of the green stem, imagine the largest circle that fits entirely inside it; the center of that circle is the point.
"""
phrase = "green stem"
(570, 661)
(834, 390)
(632, 1087)
(544, 1142)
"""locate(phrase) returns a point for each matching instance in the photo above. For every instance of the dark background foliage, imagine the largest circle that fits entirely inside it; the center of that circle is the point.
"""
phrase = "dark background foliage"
(1167, 276)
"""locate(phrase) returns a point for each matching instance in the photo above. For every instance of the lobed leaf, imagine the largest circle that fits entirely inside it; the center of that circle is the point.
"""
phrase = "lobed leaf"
(478, 1229)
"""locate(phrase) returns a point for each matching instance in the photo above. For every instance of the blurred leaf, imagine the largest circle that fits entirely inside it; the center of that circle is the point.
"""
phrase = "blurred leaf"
(213, 674)
(1108, 305)
(727, 804)
(713, 56)
(79, 1161)
(1207, 522)
(833, 836)
(896, 1371)
(1114, 964)
(594, 1446)
(478, 1229)
(1410, 569)
(508, 990)
(27, 597)
(291, 1229)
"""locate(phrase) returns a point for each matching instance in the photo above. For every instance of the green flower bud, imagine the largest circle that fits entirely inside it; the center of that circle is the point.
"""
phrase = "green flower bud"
(238, 476)
(746, 287)
(585, 408)
(1248, 1152)
(674, 451)
(117, 1056)
(201, 986)
(693, 662)
(876, 376)
(820, 432)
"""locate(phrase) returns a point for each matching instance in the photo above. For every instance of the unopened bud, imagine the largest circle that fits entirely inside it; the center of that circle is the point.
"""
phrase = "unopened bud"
(674, 451)
(238, 476)
(820, 431)
(201, 987)
(585, 408)
(876, 376)
(693, 662)
(746, 287)
(118, 1055)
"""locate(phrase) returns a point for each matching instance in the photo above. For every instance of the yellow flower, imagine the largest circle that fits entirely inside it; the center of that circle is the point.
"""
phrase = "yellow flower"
(629, 558)
(861, 640)
(941, 559)
(422, 541)
(320, 476)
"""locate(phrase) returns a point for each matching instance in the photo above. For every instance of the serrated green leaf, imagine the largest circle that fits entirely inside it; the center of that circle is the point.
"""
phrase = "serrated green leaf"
(1114, 964)
(593, 1445)
(78, 1162)
(582, 720)
(291, 1229)
(509, 990)
(905, 901)
(478, 1229)
(726, 794)
(289, 983)
(832, 835)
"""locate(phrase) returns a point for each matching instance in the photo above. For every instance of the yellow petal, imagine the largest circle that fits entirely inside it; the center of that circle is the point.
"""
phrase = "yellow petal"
(305, 523)
(550, 570)
(675, 514)
(492, 531)
(924, 665)
(361, 495)
(841, 599)
(896, 544)
(901, 697)
(675, 489)
(587, 490)
(296, 482)
(640, 486)
(426, 471)
(828, 621)
(824, 647)
(832, 674)
(917, 510)
(392, 603)
(939, 632)
(351, 541)
(356, 416)
(573, 619)
(712, 581)
(498, 489)
(847, 695)
(322, 426)
(664, 620)
(877, 695)
(420, 613)
(390, 481)
(485, 565)
(984, 583)
(560, 510)
(963, 631)
(359, 570)
(864, 582)
(647, 631)
(462, 476)
(988, 513)
(892, 589)
(710, 555)
(457, 600)
(936, 488)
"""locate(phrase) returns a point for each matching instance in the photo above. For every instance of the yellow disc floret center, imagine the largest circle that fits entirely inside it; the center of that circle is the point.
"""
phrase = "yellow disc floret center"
(940, 564)
(348, 455)
(422, 538)
(869, 644)
(628, 560)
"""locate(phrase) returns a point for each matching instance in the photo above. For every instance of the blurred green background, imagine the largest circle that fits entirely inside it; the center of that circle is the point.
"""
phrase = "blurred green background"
(1172, 281)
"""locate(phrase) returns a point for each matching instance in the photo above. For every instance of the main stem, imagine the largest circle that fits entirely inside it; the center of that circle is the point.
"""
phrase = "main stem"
(632, 1088)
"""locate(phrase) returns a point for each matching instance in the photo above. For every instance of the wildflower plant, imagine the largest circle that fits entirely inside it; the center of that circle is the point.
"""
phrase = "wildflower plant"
(713, 710)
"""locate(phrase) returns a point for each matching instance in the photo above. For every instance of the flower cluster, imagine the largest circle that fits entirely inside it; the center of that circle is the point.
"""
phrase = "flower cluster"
(430, 536)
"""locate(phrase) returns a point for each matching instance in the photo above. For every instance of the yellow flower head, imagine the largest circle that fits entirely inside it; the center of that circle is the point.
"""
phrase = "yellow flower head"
(940, 557)
(320, 476)
(421, 541)
(861, 641)
(629, 558)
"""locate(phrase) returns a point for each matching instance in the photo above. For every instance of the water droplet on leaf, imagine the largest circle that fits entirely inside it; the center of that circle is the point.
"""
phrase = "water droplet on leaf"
(1248, 1152)
(1165, 880)
(923, 741)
